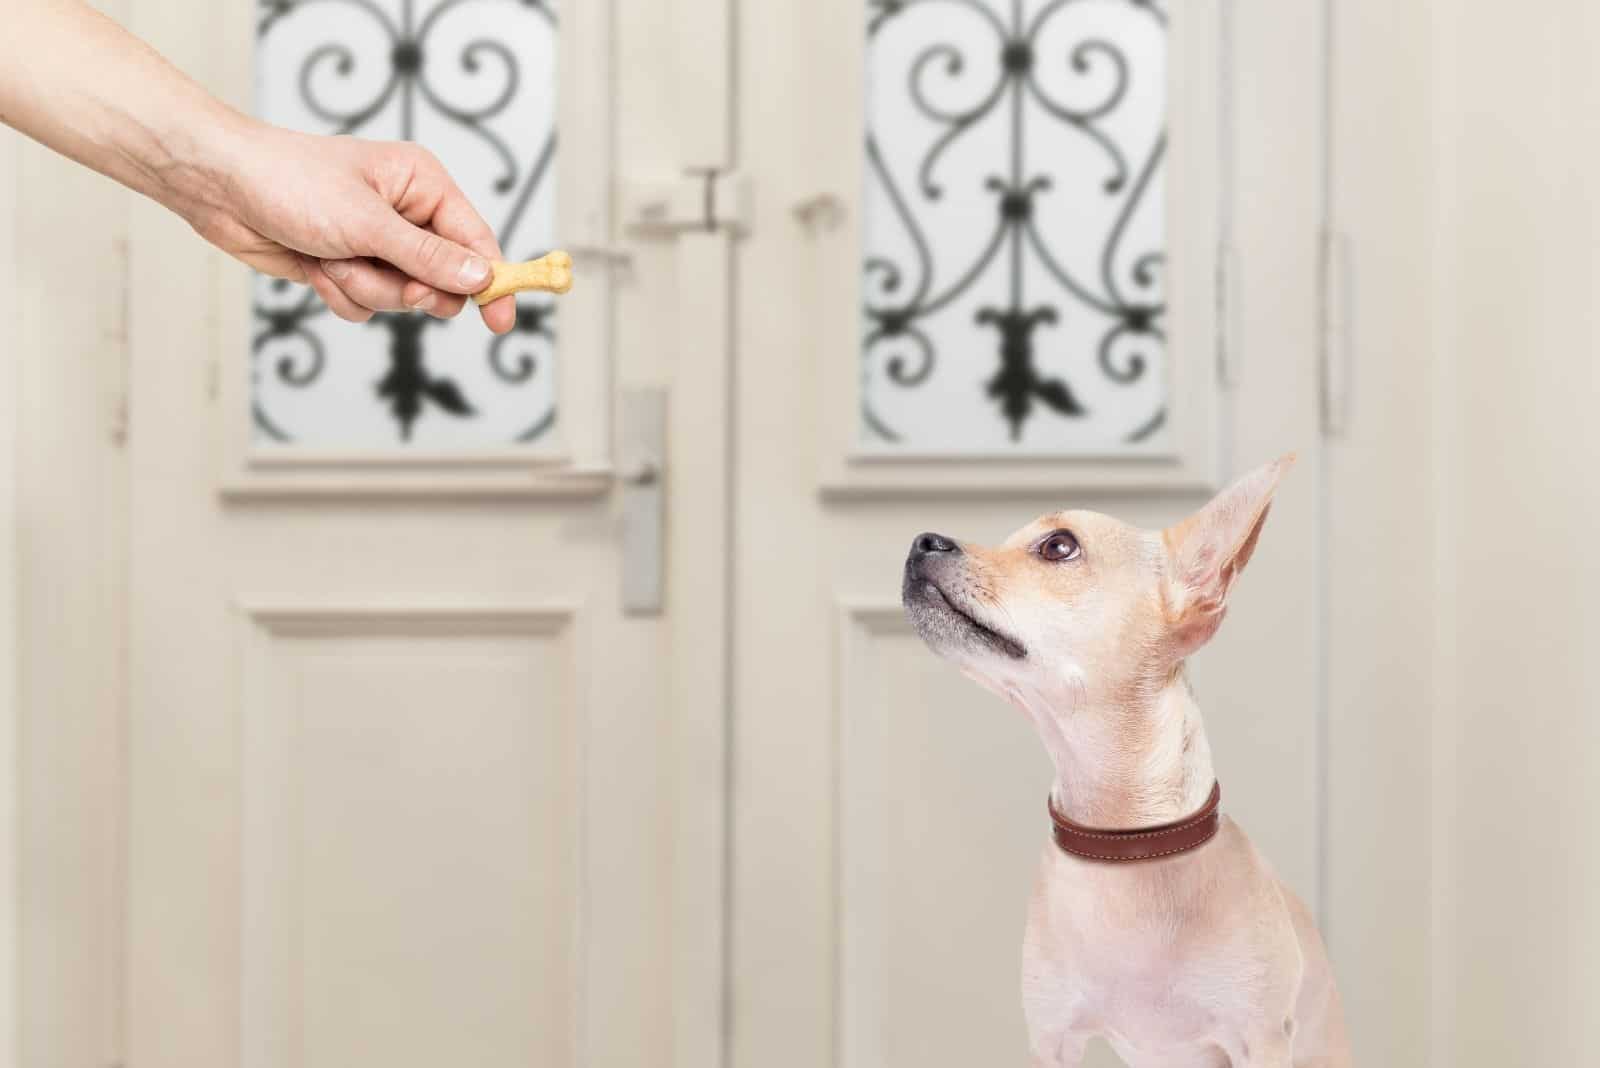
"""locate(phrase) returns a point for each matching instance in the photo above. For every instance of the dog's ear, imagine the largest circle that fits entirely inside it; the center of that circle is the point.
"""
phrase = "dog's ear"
(1206, 552)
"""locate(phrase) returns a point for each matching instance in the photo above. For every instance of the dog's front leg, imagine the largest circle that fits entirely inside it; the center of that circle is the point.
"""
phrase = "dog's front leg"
(1059, 1050)
(1273, 1048)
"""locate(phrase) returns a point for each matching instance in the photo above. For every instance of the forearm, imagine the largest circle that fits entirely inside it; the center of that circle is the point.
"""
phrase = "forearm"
(79, 83)
(371, 226)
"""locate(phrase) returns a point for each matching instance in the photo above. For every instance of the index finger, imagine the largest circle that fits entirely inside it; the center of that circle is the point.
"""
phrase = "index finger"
(457, 220)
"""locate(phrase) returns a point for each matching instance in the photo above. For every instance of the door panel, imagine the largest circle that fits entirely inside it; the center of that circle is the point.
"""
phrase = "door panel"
(401, 767)
(888, 814)
(919, 980)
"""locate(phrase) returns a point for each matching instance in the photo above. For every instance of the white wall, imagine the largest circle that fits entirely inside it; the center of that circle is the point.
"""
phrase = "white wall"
(9, 875)
(1464, 712)
(1517, 722)
(1379, 516)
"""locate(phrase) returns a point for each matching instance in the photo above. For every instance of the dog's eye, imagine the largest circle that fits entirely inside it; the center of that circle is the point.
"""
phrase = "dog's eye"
(1059, 546)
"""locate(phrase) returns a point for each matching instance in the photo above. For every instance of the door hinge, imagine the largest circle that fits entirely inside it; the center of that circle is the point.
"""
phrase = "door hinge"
(1337, 276)
(701, 200)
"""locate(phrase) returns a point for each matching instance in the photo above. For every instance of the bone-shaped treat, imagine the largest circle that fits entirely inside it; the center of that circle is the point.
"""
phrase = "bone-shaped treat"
(550, 273)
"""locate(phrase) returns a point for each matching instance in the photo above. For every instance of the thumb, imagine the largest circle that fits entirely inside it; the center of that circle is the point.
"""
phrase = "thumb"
(427, 257)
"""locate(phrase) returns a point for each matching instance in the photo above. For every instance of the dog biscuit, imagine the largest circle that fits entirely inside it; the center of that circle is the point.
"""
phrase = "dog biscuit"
(551, 273)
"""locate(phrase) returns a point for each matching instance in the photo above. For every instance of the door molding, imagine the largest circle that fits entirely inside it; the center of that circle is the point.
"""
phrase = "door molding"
(263, 624)
(699, 594)
(858, 968)
(699, 580)
(10, 369)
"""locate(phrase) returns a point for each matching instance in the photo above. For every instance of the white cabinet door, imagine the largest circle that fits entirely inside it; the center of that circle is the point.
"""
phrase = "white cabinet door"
(943, 290)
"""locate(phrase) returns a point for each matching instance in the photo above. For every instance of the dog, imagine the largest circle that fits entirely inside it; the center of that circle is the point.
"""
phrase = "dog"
(1154, 922)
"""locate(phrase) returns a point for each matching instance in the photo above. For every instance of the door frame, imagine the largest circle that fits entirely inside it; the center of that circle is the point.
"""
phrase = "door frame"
(10, 515)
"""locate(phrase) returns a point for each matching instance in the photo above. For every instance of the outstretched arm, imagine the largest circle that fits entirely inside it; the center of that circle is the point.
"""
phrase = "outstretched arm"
(371, 226)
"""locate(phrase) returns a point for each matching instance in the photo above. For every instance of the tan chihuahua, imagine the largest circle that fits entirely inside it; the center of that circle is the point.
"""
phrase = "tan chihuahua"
(1154, 922)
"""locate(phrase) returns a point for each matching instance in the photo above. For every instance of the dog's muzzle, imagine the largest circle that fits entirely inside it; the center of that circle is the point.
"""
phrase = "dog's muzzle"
(929, 559)
(931, 589)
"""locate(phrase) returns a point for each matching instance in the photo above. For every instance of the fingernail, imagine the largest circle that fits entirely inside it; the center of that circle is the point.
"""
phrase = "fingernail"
(338, 270)
(475, 272)
(423, 303)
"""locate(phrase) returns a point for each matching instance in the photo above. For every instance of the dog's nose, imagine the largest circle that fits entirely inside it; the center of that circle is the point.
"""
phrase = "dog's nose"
(929, 544)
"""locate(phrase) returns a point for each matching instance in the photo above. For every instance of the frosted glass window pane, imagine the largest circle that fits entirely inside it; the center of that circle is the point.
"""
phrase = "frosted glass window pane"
(1014, 231)
(474, 81)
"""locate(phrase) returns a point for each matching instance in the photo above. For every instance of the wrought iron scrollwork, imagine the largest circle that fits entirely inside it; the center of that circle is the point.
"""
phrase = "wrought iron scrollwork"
(396, 52)
(516, 357)
(904, 292)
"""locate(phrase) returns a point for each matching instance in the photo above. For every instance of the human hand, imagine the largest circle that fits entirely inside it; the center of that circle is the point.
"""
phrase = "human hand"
(371, 226)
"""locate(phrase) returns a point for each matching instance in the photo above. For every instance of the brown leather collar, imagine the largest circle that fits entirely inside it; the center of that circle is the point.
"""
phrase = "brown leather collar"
(1167, 840)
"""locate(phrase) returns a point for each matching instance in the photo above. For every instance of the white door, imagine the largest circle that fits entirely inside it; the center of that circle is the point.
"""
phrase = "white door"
(910, 289)
(418, 773)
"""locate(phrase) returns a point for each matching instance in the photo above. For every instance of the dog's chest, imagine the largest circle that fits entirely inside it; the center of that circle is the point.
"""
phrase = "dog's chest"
(1123, 961)
(1201, 1054)
(1151, 1020)
(1136, 993)
(1132, 989)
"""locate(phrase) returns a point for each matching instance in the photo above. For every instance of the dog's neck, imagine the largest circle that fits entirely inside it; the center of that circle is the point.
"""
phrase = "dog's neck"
(1137, 761)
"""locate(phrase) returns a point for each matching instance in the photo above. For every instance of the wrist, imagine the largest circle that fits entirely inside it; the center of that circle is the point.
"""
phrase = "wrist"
(200, 162)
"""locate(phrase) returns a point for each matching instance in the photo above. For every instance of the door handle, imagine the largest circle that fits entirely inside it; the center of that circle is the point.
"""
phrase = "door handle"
(642, 473)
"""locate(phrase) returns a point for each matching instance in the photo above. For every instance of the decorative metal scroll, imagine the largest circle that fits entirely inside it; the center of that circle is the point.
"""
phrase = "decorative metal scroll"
(1014, 227)
(474, 80)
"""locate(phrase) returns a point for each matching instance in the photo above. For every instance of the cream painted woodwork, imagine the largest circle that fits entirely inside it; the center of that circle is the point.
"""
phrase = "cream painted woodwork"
(411, 834)
(1515, 730)
(887, 814)
(64, 372)
(408, 786)
(212, 664)
(10, 614)
(1383, 592)
(332, 758)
